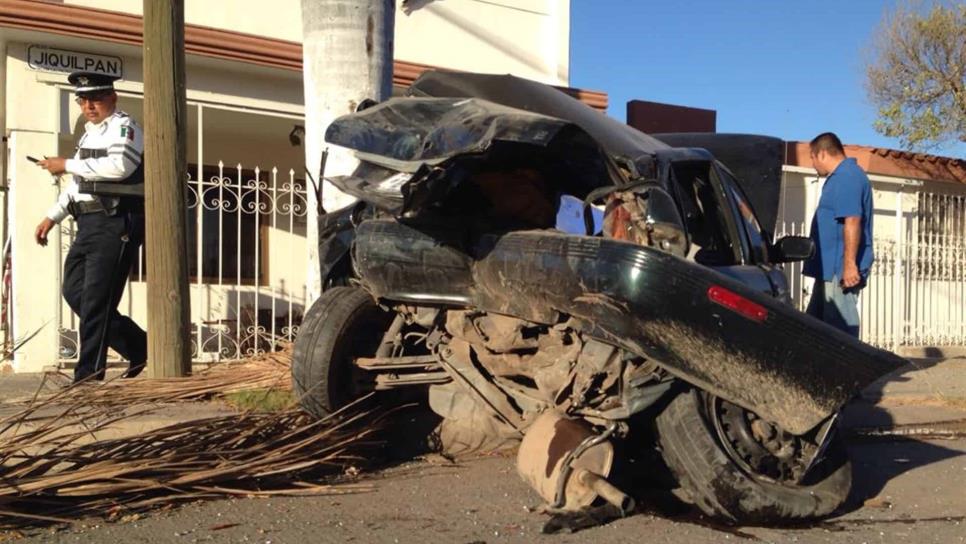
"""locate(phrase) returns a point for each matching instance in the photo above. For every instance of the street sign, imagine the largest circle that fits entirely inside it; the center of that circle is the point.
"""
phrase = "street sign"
(49, 59)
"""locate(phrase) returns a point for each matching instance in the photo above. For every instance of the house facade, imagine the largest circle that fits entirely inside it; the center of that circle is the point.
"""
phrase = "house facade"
(246, 189)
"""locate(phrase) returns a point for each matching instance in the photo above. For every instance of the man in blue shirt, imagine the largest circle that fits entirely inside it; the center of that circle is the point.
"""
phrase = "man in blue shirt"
(842, 232)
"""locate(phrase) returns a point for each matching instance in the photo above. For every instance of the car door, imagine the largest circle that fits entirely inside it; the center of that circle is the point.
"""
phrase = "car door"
(722, 227)
(755, 241)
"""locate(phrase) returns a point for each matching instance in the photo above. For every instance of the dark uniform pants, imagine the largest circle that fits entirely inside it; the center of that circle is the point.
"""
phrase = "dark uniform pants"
(95, 273)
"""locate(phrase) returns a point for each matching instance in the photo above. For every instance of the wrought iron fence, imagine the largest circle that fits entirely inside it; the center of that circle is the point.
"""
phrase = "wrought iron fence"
(247, 259)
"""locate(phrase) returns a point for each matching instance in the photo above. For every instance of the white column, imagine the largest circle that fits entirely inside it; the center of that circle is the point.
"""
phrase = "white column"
(36, 289)
(3, 96)
(898, 302)
(347, 49)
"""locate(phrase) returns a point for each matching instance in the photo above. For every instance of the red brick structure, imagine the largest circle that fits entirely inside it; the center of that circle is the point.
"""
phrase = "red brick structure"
(654, 117)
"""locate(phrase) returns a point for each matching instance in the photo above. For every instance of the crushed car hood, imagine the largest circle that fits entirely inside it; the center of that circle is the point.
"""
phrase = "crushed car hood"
(622, 142)
(437, 123)
(405, 133)
(401, 140)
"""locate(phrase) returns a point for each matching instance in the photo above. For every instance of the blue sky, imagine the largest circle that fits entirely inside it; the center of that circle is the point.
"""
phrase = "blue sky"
(784, 68)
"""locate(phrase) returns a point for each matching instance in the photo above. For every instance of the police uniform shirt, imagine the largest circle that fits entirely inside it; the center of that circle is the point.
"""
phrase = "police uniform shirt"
(115, 147)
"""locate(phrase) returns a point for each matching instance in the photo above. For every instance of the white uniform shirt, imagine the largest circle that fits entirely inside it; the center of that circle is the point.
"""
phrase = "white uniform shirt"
(123, 139)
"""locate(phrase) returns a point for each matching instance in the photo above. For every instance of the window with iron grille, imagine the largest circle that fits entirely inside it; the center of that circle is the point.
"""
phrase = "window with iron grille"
(233, 240)
(232, 204)
(940, 235)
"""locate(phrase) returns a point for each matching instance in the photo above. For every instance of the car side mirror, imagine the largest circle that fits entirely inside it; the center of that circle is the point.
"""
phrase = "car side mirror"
(789, 249)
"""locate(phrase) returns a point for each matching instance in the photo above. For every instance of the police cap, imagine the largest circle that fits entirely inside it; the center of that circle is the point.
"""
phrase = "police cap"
(91, 82)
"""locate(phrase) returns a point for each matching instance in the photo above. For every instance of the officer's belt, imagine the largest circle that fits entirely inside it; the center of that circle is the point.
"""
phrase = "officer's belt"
(84, 207)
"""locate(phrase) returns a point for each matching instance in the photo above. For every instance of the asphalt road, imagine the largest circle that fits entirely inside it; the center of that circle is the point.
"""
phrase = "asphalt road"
(905, 491)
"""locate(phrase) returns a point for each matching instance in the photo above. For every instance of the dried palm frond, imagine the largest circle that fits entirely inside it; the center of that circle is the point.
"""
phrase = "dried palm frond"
(53, 467)
(46, 476)
(267, 371)
(85, 401)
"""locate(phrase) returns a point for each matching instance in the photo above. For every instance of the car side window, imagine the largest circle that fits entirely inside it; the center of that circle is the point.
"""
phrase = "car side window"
(700, 213)
(747, 221)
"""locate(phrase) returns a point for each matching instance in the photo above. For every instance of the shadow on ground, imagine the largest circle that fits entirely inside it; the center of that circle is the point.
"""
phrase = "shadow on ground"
(876, 460)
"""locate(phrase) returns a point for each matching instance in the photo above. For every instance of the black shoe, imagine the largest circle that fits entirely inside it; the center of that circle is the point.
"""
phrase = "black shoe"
(132, 371)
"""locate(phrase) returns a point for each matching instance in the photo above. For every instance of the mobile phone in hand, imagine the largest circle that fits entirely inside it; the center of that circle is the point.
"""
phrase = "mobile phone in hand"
(32, 159)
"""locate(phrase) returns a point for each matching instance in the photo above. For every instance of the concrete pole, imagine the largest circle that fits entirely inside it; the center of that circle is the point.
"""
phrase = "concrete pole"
(165, 142)
(347, 53)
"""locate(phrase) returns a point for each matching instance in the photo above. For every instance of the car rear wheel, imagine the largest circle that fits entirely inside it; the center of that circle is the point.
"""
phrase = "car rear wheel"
(736, 466)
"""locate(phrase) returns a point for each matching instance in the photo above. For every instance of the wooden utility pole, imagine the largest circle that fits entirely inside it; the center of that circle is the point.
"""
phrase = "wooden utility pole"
(169, 348)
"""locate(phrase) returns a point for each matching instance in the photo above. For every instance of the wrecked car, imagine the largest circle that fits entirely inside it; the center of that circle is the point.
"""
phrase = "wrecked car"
(548, 275)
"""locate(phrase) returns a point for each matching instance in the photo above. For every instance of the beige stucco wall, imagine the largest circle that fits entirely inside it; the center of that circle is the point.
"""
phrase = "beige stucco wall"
(31, 131)
(35, 268)
(3, 102)
(528, 38)
(279, 19)
(4, 182)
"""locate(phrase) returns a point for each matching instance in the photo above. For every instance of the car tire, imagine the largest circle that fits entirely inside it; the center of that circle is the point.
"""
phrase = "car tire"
(713, 482)
(343, 324)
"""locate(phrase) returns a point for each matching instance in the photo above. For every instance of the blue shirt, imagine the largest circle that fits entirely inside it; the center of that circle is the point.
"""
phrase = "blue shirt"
(846, 193)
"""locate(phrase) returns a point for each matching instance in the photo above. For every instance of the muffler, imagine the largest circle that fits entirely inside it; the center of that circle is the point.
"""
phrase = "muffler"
(568, 464)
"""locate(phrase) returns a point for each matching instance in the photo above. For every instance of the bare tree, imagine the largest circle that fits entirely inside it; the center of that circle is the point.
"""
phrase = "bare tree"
(917, 76)
(347, 48)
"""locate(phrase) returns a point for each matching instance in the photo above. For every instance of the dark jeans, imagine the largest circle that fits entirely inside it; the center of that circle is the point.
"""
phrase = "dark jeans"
(95, 273)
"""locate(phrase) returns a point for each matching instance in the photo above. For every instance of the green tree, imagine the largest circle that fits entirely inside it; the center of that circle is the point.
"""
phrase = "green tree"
(917, 75)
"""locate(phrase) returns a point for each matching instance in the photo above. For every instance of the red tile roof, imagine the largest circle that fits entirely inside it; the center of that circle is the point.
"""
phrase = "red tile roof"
(889, 162)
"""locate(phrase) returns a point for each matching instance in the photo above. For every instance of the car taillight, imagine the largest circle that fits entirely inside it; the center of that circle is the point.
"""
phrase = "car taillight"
(738, 303)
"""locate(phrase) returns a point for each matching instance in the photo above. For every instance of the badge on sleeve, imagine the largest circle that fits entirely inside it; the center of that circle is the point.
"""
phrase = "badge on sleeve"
(127, 132)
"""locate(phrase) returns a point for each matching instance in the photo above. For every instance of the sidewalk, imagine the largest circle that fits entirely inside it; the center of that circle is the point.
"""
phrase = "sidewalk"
(924, 391)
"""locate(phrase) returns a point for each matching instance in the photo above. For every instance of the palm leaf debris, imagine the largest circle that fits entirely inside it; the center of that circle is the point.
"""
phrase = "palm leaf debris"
(54, 470)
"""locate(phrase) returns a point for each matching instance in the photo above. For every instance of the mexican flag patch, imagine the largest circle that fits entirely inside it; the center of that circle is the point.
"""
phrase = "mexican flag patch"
(127, 132)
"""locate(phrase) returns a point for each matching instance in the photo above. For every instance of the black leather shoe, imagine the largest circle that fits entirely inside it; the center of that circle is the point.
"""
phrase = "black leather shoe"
(133, 371)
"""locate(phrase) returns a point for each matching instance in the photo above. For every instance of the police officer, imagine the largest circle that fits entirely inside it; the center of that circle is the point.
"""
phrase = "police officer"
(109, 229)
